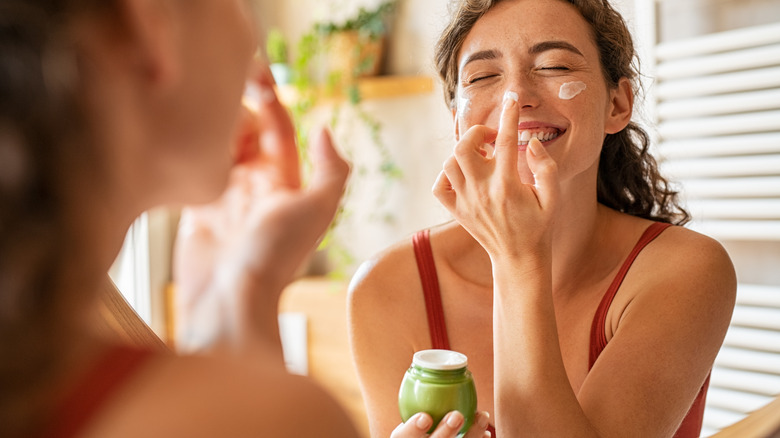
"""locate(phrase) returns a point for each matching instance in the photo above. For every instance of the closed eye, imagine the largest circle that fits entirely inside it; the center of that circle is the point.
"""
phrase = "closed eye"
(479, 78)
(556, 67)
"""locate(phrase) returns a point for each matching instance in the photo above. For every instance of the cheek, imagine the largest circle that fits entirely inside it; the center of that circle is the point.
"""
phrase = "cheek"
(482, 108)
(570, 90)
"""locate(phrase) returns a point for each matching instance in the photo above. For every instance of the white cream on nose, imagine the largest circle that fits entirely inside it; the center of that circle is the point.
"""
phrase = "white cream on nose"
(569, 90)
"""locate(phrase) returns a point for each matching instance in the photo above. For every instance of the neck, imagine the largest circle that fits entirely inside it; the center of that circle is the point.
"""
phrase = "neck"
(100, 218)
(581, 230)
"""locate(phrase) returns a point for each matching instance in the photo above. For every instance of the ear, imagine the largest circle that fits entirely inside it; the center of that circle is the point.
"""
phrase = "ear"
(152, 40)
(620, 108)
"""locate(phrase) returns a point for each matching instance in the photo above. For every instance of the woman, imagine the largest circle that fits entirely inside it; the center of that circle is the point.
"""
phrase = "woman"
(109, 108)
(554, 197)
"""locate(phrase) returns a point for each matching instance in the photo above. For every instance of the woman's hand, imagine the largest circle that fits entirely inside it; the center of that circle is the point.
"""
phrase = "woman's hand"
(417, 426)
(486, 194)
(234, 257)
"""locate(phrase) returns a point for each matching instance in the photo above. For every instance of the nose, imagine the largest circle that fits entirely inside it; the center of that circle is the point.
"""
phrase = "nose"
(527, 92)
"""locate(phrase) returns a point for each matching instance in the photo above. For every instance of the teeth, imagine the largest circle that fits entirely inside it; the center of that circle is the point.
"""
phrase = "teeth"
(525, 136)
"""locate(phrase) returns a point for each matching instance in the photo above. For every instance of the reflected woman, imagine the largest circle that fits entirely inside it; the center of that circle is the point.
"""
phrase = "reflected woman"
(583, 305)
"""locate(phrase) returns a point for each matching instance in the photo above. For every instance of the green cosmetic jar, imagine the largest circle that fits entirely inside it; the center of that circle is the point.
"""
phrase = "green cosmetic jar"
(437, 382)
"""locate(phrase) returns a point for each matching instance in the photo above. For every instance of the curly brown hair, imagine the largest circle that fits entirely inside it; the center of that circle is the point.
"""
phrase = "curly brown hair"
(628, 178)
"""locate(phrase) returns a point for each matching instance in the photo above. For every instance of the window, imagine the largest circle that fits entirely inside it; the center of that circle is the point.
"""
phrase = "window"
(715, 100)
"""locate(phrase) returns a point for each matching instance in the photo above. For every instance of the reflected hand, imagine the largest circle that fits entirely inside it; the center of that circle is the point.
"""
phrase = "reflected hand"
(234, 257)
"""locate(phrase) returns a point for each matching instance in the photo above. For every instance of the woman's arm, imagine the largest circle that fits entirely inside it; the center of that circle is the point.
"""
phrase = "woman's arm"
(387, 324)
(382, 316)
(653, 367)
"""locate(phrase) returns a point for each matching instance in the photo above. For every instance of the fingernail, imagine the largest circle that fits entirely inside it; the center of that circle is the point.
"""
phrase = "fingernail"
(267, 94)
(482, 419)
(510, 98)
(455, 420)
(535, 146)
(423, 422)
(252, 96)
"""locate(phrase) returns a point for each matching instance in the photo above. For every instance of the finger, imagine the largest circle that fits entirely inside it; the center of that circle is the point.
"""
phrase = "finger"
(246, 147)
(277, 137)
(479, 428)
(469, 151)
(416, 426)
(331, 170)
(545, 172)
(443, 191)
(454, 173)
(449, 426)
(506, 141)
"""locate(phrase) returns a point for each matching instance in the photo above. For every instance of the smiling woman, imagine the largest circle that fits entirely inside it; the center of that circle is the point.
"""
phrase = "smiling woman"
(582, 308)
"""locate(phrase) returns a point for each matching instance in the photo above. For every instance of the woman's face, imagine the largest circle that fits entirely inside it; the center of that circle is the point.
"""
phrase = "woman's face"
(544, 52)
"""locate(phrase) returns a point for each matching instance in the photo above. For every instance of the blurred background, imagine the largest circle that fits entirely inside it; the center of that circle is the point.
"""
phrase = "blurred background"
(365, 68)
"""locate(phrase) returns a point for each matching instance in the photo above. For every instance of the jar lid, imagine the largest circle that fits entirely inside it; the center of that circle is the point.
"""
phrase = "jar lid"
(440, 359)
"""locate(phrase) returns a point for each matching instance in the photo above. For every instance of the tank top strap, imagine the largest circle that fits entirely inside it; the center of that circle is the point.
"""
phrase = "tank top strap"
(83, 401)
(598, 337)
(430, 284)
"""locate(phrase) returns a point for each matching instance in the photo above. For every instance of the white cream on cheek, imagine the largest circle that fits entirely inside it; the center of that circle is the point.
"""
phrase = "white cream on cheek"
(464, 105)
(570, 90)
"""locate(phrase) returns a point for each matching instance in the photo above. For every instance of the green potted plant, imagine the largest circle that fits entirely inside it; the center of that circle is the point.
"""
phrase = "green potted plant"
(276, 49)
(356, 46)
(329, 60)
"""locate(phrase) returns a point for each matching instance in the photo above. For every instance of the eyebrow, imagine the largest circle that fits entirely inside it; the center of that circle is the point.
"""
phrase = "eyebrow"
(553, 45)
(481, 55)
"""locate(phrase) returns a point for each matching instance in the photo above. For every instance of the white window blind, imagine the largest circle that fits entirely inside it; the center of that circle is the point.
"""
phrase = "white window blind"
(717, 106)
(715, 101)
(746, 375)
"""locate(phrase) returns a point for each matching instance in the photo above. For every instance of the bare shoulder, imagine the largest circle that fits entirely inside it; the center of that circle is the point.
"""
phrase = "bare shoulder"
(688, 269)
(387, 288)
(221, 396)
(387, 277)
(685, 253)
(386, 295)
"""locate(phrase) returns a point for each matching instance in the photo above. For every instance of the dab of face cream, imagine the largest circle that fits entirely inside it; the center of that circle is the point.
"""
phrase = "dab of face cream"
(569, 90)
(464, 105)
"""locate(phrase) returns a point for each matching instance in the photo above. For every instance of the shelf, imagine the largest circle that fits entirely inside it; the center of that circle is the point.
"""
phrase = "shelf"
(377, 87)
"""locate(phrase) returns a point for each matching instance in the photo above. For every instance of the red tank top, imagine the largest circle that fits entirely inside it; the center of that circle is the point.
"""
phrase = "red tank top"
(691, 425)
(84, 399)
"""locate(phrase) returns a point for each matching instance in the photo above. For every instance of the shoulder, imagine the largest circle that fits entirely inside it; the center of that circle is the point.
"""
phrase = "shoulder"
(391, 279)
(684, 252)
(385, 303)
(387, 282)
(688, 271)
(220, 396)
